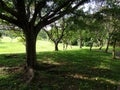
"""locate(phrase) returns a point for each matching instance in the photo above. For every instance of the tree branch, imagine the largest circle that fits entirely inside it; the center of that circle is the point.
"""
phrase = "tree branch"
(80, 3)
(66, 11)
(22, 16)
(8, 9)
(49, 35)
(38, 8)
(28, 13)
(67, 3)
(10, 20)
(58, 13)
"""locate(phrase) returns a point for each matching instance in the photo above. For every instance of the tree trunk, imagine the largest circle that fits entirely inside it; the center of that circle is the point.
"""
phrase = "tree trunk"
(101, 44)
(100, 47)
(113, 52)
(108, 42)
(63, 46)
(91, 45)
(80, 42)
(30, 55)
(91, 48)
(31, 50)
(56, 46)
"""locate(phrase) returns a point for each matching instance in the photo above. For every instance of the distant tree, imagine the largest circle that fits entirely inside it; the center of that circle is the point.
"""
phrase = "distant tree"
(110, 12)
(0, 34)
(116, 30)
(77, 24)
(94, 30)
(56, 33)
(68, 38)
(115, 39)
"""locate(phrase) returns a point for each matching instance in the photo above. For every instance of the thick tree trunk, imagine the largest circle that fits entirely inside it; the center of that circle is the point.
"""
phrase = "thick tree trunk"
(113, 51)
(56, 46)
(30, 55)
(31, 50)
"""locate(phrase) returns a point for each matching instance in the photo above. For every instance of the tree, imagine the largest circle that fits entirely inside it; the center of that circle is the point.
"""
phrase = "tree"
(110, 11)
(116, 30)
(115, 39)
(56, 33)
(94, 30)
(68, 37)
(31, 16)
(0, 34)
(77, 24)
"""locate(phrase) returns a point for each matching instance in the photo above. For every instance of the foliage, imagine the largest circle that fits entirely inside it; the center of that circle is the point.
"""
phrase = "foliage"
(42, 35)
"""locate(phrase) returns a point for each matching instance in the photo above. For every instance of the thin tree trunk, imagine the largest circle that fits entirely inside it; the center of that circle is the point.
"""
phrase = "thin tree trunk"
(91, 48)
(56, 46)
(100, 47)
(80, 42)
(108, 42)
(101, 44)
(63, 46)
(113, 52)
(91, 45)
(66, 45)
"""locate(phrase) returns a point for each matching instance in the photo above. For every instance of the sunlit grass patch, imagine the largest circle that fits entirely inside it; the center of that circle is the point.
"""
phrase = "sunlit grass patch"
(7, 45)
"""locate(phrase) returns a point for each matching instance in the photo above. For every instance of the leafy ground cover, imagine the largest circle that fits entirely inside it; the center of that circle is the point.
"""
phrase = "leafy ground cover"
(63, 70)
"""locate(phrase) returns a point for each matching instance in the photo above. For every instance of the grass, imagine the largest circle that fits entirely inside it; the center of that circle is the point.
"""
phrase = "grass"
(77, 69)
(63, 70)
(9, 46)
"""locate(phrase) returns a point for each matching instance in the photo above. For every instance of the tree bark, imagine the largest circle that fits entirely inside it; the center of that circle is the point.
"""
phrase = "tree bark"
(56, 46)
(30, 49)
(31, 61)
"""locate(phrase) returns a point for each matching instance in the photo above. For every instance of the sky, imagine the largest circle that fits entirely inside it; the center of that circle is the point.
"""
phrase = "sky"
(92, 7)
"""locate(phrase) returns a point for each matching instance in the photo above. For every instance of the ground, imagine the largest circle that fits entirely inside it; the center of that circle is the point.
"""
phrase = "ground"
(73, 69)
(63, 70)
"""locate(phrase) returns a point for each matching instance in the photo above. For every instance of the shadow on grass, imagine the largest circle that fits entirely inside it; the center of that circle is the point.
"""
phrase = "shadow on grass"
(9, 60)
(68, 70)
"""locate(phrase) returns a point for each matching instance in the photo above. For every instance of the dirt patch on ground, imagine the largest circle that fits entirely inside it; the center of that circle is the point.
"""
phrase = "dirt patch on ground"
(7, 70)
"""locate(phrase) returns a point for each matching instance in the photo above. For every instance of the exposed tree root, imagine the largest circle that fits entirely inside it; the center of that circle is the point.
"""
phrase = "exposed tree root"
(29, 75)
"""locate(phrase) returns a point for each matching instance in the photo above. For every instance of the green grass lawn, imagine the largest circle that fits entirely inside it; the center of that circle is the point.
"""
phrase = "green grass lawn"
(77, 69)
(13, 46)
